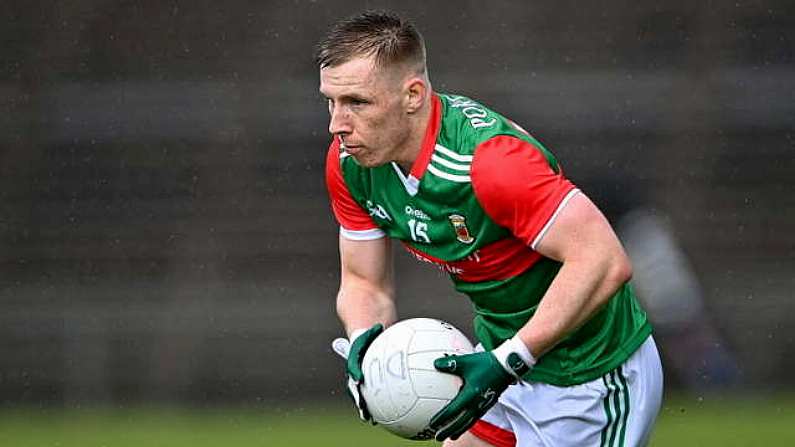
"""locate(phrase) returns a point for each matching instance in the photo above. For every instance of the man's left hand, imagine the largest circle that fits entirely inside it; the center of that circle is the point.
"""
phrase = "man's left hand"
(486, 375)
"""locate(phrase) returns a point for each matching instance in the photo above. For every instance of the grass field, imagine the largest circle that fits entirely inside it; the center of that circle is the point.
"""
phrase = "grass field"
(684, 421)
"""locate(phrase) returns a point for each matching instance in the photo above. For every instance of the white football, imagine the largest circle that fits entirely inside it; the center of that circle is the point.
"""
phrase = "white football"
(401, 387)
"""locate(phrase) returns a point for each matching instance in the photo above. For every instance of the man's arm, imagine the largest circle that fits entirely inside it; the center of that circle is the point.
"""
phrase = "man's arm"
(523, 191)
(366, 294)
(594, 267)
(522, 188)
(365, 304)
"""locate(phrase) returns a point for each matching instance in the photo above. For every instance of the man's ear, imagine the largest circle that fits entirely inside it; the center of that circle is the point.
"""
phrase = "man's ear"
(415, 89)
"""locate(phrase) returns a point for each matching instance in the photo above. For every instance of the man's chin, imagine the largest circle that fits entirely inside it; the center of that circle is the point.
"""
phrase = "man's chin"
(366, 162)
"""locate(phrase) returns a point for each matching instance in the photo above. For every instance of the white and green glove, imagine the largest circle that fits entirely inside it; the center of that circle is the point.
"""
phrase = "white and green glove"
(353, 352)
(486, 375)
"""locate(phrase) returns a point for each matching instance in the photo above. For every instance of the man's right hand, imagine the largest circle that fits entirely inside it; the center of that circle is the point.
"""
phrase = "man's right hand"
(360, 341)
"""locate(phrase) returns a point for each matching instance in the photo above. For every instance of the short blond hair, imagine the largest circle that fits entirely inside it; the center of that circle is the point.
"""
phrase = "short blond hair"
(388, 38)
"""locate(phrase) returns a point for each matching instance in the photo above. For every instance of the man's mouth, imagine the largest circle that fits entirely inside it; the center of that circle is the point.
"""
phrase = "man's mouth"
(347, 147)
(351, 148)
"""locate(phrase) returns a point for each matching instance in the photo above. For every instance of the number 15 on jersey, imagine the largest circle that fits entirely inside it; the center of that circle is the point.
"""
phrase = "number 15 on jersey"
(419, 231)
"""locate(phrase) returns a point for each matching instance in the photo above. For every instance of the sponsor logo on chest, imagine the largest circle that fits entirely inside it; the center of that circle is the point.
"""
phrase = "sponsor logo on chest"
(416, 213)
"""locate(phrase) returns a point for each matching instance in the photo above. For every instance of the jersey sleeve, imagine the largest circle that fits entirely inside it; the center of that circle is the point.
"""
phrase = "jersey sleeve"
(516, 186)
(355, 223)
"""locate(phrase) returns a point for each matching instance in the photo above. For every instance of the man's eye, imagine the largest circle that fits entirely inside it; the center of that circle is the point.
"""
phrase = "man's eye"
(358, 102)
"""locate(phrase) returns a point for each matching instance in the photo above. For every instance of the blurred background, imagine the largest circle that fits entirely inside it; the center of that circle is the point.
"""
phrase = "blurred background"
(165, 236)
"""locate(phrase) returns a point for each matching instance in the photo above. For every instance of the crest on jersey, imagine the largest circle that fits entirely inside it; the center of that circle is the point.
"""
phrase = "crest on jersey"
(460, 226)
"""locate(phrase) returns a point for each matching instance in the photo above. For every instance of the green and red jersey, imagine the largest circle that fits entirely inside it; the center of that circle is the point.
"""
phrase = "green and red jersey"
(477, 200)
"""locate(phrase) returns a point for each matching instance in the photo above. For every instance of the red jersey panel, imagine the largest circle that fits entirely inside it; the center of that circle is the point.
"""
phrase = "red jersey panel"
(516, 186)
(348, 213)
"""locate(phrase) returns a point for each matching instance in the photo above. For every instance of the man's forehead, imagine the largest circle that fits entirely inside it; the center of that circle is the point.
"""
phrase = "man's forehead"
(360, 70)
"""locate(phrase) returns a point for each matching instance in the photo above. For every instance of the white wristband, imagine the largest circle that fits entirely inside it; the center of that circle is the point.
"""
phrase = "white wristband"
(517, 346)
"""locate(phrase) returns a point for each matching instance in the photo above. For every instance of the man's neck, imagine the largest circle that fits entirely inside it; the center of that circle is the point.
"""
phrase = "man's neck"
(418, 126)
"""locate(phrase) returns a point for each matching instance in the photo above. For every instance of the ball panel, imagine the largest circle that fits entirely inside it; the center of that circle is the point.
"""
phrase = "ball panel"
(387, 388)
(423, 361)
(435, 384)
(416, 421)
(446, 339)
(422, 324)
(375, 387)
(396, 374)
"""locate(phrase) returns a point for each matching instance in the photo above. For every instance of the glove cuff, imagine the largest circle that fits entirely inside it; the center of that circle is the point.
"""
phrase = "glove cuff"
(356, 333)
(512, 350)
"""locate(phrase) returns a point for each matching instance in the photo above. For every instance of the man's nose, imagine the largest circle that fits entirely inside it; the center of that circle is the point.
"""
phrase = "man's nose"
(339, 122)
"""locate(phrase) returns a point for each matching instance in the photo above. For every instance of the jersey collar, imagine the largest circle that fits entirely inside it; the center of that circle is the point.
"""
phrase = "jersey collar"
(429, 140)
(412, 182)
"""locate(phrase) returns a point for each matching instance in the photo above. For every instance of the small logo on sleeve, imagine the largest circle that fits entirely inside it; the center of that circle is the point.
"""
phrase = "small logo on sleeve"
(460, 226)
(377, 210)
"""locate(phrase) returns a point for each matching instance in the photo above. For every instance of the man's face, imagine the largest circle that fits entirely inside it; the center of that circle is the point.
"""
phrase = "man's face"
(366, 111)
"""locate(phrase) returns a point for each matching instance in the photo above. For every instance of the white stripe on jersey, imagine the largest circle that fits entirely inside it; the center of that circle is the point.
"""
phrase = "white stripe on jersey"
(453, 178)
(449, 164)
(562, 205)
(450, 154)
